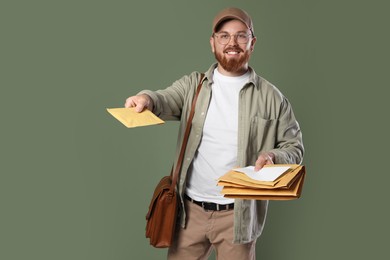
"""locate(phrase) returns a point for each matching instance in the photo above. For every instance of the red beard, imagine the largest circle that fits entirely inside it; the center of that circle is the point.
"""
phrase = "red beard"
(233, 65)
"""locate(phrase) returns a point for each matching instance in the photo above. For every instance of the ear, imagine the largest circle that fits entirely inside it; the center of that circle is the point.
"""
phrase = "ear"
(212, 41)
(252, 47)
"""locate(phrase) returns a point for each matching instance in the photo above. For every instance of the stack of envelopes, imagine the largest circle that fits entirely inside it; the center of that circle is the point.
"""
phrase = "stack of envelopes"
(286, 186)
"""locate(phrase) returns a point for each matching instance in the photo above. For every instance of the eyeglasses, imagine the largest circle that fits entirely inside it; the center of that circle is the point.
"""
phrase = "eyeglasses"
(224, 38)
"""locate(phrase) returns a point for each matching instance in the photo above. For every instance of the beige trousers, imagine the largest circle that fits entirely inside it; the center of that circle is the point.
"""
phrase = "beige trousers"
(207, 230)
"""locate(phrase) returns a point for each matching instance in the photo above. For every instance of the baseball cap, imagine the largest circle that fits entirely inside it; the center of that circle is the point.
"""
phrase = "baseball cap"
(233, 13)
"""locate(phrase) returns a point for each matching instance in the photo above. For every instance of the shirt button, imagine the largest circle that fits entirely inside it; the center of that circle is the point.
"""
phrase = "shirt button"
(202, 113)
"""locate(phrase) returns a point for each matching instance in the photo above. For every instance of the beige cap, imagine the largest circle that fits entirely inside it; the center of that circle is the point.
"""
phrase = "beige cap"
(233, 13)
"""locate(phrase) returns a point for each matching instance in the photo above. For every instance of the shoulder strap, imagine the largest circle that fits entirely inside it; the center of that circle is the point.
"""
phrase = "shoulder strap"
(185, 138)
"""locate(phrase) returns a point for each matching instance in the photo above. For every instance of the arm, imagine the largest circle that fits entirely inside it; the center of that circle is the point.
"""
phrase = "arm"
(167, 103)
(288, 146)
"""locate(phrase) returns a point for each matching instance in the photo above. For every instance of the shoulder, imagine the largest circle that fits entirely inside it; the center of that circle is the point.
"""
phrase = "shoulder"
(265, 88)
(190, 80)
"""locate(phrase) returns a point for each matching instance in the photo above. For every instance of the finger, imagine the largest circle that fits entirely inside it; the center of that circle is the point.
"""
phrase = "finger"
(139, 107)
(261, 161)
(129, 102)
(269, 159)
(264, 159)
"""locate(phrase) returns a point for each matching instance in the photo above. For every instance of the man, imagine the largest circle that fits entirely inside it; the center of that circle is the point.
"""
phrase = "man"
(240, 119)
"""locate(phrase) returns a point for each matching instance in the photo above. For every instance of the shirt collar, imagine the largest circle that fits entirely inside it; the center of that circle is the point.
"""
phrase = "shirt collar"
(210, 73)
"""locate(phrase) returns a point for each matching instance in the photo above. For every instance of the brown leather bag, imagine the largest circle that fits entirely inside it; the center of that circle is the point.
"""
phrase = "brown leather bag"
(162, 215)
(161, 218)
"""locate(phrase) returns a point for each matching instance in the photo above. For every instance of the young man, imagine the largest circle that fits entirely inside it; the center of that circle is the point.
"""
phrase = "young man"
(240, 119)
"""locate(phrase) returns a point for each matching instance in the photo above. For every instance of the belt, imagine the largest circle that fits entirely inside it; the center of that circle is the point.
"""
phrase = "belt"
(211, 205)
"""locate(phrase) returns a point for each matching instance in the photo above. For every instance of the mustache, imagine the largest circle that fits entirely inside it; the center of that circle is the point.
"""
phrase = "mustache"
(237, 49)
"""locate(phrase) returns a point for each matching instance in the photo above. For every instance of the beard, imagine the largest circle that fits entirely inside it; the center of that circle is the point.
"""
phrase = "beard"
(233, 64)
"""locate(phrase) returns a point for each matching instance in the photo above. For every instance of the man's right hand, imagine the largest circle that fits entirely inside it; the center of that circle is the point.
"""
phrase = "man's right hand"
(139, 102)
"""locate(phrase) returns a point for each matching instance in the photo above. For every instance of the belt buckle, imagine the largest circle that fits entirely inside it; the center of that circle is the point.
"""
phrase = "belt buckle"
(206, 206)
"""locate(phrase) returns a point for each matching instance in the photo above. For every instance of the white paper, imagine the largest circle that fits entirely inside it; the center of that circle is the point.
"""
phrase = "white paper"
(265, 173)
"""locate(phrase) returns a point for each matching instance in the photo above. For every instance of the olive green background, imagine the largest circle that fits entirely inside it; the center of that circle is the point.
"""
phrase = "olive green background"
(75, 183)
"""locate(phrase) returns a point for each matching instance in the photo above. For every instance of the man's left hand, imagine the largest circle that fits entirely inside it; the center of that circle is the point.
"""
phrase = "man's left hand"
(263, 159)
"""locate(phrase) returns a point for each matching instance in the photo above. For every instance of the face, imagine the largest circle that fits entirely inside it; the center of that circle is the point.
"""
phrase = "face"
(232, 57)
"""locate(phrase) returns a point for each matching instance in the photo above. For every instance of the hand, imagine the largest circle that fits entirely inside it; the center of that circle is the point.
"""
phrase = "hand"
(263, 159)
(139, 102)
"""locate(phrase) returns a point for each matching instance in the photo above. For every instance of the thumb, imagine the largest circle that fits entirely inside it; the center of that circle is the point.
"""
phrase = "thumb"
(139, 107)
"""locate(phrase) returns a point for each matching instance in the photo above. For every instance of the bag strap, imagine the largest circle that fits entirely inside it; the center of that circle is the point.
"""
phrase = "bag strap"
(185, 138)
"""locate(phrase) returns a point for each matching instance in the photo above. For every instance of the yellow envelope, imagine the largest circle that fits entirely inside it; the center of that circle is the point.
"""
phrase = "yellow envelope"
(130, 118)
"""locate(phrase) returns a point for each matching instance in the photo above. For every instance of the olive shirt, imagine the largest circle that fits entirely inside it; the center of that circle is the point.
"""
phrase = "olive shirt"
(266, 123)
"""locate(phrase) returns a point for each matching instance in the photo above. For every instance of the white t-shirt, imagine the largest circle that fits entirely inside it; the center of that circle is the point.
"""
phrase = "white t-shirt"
(217, 152)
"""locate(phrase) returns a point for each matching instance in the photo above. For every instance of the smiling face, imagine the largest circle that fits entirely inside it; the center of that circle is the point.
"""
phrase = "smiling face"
(232, 57)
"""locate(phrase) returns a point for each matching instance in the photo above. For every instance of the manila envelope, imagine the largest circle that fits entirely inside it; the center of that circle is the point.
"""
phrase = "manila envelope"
(130, 118)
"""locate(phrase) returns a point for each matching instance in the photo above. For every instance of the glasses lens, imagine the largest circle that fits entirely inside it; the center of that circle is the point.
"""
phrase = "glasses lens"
(224, 38)
(242, 38)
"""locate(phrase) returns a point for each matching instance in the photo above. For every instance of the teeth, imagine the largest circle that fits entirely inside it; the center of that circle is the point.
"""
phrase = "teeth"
(232, 52)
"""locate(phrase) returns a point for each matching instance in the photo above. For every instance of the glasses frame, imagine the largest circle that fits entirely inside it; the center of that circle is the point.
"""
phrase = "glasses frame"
(217, 35)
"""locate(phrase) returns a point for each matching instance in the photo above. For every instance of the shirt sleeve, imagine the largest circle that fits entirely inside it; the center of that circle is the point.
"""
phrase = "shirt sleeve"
(289, 145)
(168, 103)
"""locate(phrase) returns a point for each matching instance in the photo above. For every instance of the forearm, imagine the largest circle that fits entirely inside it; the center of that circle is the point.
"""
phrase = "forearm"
(289, 147)
(168, 103)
